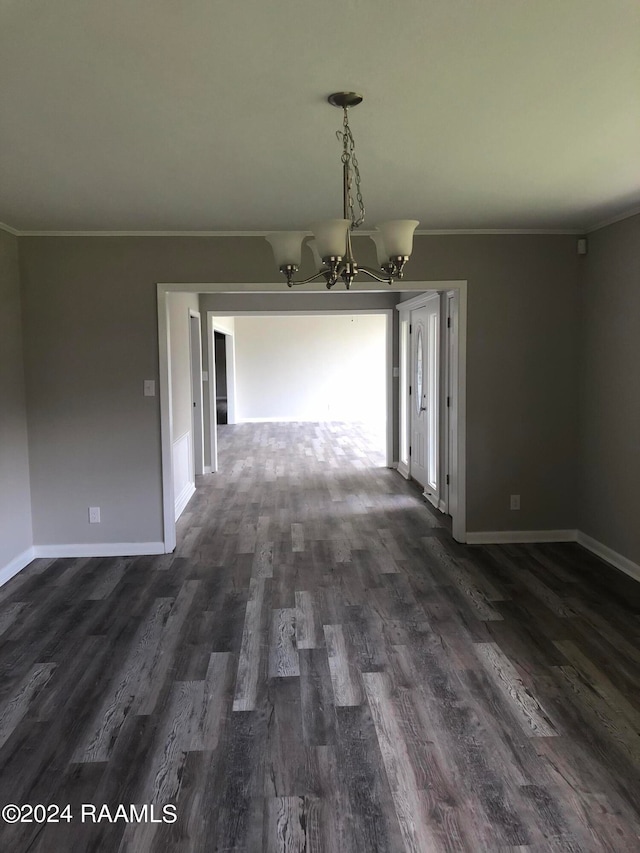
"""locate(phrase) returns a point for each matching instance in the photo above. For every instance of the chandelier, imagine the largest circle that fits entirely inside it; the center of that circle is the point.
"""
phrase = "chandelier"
(331, 243)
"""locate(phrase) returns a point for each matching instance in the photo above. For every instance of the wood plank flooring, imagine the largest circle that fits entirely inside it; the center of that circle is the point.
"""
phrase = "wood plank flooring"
(320, 667)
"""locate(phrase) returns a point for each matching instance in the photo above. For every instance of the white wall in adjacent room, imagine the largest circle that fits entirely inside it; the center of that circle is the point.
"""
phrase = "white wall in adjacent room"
(311, 368)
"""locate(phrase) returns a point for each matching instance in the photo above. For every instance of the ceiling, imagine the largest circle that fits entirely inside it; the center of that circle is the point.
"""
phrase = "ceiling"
(211, 115)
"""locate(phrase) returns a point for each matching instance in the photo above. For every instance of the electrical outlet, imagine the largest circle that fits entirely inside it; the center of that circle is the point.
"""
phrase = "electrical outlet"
(515, 502)
(94, 515)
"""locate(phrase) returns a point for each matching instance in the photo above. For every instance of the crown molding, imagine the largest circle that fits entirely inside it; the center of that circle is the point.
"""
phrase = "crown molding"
(633, 212)
(143, 233)
(9, 229)
(439, 232)
(443, 232)
(421, 232)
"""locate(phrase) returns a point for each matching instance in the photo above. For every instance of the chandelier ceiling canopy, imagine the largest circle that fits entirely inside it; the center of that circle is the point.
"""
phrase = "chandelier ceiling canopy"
(331, 242)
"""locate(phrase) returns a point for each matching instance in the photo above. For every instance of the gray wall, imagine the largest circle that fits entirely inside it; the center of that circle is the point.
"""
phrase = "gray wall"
(610, 388)
(521, 373)
(91, 338)
(15, 498)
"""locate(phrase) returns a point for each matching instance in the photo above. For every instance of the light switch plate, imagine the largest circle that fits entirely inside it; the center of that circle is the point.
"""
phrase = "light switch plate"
(149, 387)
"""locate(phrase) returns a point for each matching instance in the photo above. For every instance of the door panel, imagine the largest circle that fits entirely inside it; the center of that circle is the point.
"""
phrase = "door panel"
(195, 342)
(418, 406)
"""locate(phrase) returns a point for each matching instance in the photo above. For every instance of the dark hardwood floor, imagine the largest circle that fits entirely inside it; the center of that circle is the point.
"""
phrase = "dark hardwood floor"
(320, 667)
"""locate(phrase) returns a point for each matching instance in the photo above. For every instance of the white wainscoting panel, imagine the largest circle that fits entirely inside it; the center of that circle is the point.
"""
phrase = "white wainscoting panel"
(183, 482)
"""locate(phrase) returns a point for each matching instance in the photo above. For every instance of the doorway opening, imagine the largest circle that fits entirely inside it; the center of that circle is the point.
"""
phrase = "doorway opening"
(221, 379)
(397, 392)
(197, 425)
(221, 409)
(313, 366)
(431, 410)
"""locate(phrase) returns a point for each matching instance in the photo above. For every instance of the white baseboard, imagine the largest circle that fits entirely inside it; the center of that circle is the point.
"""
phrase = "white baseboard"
(16, 565)
(206, 469)
(609, 555)
(100, 549)
(280, 420)
(433, 500)
(183, 498)
(130, 549)
(521, 537)
(298, 419)
(498, 537)
(403, 470)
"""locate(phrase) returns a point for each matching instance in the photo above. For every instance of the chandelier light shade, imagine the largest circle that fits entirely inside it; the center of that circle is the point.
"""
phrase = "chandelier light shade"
(331, 243)
(331, 237)
(381, 251)
(287, 247)
(317, 260)
(397, 237)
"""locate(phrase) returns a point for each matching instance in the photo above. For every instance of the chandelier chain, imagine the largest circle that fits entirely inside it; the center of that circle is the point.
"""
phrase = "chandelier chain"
(353, 171)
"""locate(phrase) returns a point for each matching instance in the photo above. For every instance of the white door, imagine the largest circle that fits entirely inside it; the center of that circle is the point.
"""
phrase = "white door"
(213, 394)
(196, 393)
(449, 486)
(424, 384)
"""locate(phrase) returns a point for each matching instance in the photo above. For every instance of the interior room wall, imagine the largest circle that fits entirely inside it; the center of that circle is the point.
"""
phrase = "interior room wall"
(91, 338)
(15, 493)
(610, 388)
(522, 398)
(312, 368)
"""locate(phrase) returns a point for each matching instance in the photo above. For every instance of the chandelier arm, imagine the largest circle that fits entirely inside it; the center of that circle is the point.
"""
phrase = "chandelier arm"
(315, 277)
(373, 274)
